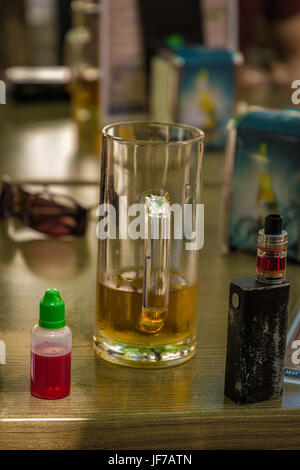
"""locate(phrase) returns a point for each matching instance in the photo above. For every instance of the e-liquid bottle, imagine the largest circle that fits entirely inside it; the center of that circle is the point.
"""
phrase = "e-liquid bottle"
(51, 343)
(257, 322)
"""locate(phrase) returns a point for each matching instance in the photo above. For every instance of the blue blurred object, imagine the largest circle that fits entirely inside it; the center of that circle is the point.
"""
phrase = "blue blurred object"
(195, 85)
(264, 161)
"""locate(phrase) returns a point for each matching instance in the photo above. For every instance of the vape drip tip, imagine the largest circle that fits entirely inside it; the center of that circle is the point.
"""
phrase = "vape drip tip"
(271, 251)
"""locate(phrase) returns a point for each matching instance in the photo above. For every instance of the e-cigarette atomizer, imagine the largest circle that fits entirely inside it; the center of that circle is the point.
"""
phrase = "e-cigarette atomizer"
(271, 251)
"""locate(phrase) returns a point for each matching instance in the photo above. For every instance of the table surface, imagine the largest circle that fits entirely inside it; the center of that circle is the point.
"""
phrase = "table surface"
(113, 407)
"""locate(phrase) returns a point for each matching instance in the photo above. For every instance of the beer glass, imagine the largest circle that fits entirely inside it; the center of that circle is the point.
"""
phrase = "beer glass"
(150, 232)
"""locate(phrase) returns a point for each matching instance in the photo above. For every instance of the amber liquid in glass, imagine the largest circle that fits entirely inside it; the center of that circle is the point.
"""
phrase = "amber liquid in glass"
(85, 93)
(119, 314)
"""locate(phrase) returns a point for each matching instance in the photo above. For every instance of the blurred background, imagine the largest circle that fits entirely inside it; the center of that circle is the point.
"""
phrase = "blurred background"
(59, 50)
(70, 67)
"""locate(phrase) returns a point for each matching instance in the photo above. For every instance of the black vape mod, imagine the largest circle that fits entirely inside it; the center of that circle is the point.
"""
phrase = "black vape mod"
(257, 322)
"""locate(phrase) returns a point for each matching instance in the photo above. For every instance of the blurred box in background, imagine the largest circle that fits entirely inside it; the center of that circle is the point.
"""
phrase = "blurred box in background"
(32, 84)
(132, 31)
(195, 86)
(263, 176)
(123, 61)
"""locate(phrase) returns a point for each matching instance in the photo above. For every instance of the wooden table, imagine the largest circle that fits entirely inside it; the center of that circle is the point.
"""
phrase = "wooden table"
(112, 407)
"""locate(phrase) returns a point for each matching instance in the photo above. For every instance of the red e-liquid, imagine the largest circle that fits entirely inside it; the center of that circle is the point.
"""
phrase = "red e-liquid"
(271, 251)
(51, 343)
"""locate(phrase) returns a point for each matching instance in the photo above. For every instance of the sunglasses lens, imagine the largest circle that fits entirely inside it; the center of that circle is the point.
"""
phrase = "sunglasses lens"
(53, 218)
(52, 215)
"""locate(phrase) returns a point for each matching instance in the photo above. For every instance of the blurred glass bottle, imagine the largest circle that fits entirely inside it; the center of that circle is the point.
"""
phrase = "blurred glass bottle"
(82, 54)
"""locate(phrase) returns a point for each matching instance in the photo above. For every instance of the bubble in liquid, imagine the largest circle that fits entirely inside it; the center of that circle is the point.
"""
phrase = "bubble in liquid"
(152, 320)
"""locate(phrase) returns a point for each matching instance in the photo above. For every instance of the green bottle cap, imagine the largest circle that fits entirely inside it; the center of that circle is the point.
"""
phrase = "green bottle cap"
(175, 40)
(52, 310)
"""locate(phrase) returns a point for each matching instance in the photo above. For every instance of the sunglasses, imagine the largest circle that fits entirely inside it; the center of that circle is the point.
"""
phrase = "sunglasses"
(49, 213)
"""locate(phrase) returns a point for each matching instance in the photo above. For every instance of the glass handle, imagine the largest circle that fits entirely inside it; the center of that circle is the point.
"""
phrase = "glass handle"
(156, 263)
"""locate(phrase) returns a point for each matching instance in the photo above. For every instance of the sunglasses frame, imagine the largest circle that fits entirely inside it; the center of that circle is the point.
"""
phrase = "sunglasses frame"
(19, 203)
